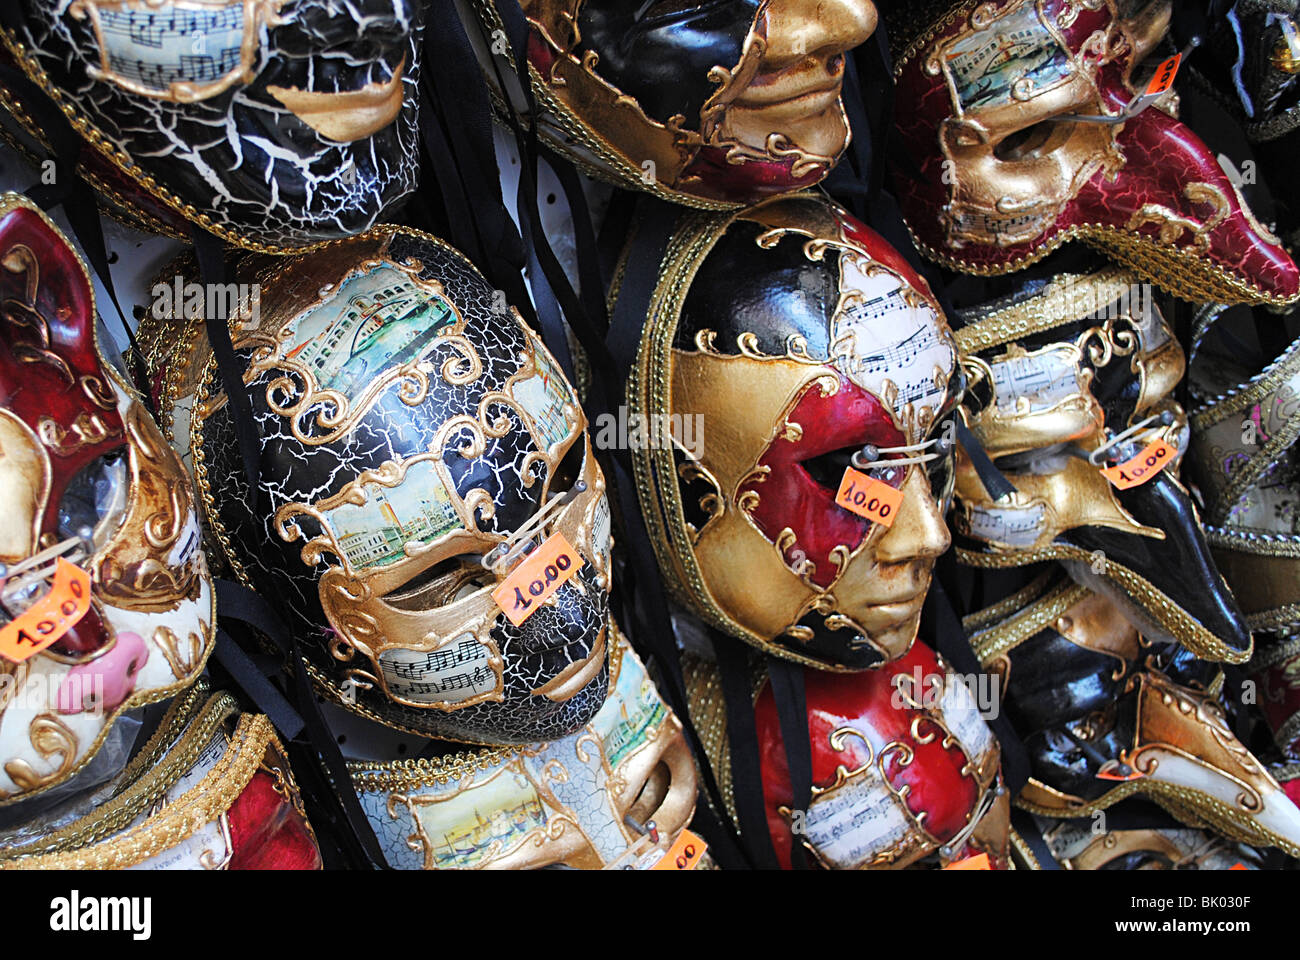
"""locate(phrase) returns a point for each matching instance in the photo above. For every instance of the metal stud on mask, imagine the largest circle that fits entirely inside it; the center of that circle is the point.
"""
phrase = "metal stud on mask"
(412, 426)
(275, 124)
(797, 337)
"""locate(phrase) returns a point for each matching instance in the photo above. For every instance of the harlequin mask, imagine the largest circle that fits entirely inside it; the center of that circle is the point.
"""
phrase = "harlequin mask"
(800, 339)
(417, 439)
(274, 124)
(1101, 725)
(211, 790)
(706, 103)
(1068, 378)
(87, 481)
(903, 765)
(615, 795)
(1000, 174)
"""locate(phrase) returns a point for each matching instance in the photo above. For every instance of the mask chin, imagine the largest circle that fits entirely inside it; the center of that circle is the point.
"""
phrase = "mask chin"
(1178, 569)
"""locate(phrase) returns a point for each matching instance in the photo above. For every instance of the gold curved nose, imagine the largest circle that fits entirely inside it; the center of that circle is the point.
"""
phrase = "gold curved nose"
(919, 532)
(815, 29)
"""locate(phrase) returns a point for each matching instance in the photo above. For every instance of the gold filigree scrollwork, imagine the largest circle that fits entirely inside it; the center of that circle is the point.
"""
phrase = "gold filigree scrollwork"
(1171, 226)
(51, 738)
(88, 429)
(182, 656)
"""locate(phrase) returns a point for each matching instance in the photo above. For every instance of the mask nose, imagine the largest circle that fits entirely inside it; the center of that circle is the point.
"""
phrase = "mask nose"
(815, 29)
(1173, 211)
(919, 532)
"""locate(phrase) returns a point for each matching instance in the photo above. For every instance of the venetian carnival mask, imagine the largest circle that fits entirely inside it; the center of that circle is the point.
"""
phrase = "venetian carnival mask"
(271, 123)
(711, 103)
(1243, 458)
(100, 542)
(803, 343)
(1067, 378)
(1011, 122)
(417, 441)
(1101, 723)
(614, 795)
(904, 767)
(210, 790)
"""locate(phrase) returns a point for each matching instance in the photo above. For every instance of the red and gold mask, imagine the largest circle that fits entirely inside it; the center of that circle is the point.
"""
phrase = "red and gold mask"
(904, 767)
(1003, 110)
(87, 480)
(797, 340)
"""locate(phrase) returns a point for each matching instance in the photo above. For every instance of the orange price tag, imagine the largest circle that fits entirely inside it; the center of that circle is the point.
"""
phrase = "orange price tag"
(543, 572)
(978, 862)
(50, 617)
(1239, 866)
(868, 497)
(1164, 76)
(684, 854)
(1131, 473)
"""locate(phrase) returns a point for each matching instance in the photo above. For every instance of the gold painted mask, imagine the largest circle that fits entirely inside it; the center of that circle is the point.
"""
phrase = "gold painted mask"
(614, 795)
(711, 104)
(795, 337)
(417, 440)
(1065, 378)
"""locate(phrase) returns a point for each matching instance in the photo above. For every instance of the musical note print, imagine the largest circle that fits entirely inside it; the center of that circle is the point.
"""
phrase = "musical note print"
(1041, 380)
(885, 331)
(850, 825)
(158, 49)
(1014, 526)
(449, 674)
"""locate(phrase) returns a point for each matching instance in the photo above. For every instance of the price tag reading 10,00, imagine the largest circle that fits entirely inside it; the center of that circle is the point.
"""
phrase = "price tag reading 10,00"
(544, 571)
(1131, 473)
(868, 497)
(50, 617)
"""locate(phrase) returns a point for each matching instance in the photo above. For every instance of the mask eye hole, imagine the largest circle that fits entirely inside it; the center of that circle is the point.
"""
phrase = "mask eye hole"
(96, 498)
(445, 582)
(1033, 142)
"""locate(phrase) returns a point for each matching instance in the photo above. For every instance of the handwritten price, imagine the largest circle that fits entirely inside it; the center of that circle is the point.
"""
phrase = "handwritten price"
(1137, 471)
(50, 617)
(531, 583)
(868, 497)
(684, 854)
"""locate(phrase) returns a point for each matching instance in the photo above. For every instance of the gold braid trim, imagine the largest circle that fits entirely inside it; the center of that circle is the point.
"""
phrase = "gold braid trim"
(1067, 298)
(172, 751)
(1008, 605)
(1180, 624)
(1006, 636)
(1192, 807)
(205, 802)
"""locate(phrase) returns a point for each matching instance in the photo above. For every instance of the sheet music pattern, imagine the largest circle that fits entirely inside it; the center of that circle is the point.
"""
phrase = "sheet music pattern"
(159, 49)
(883, 337)
(453, 673)
(1043, 380)
(1015, 526)
(989, 225)
(963, 718)
(849, 826)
